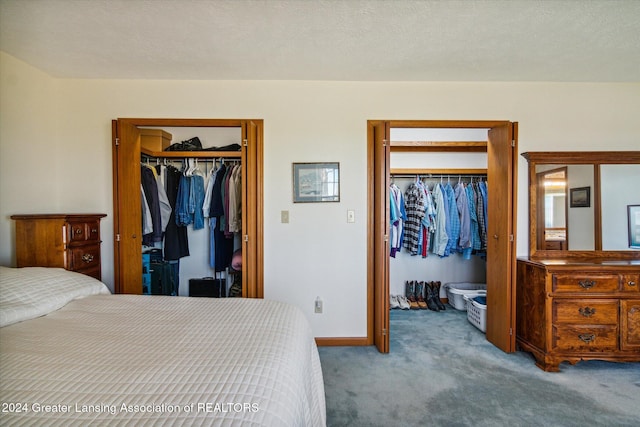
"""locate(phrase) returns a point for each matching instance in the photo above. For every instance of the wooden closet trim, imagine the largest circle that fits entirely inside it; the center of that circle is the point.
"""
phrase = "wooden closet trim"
(504, 159)
(452, 172)
(439, 146)
(252, 144)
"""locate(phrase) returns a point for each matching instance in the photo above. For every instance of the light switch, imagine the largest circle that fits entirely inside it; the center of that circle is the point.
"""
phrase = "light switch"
(284, 217)
(351, 215)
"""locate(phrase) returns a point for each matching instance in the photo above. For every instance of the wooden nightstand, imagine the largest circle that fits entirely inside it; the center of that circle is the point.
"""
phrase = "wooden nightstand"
(70, 241)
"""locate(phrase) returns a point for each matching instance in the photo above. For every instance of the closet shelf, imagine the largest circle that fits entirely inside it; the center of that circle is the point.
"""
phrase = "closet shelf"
(198, 154)
(459, 146)
(438, 171)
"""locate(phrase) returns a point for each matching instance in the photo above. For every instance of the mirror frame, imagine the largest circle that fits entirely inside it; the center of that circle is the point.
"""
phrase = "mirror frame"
(595, 158)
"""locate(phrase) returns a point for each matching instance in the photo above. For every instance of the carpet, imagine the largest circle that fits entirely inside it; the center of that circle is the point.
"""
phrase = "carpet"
(441, 371)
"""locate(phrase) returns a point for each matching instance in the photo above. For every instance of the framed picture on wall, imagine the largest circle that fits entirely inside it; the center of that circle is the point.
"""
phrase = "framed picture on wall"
(316, 182)
(580, 197)
(633, 217)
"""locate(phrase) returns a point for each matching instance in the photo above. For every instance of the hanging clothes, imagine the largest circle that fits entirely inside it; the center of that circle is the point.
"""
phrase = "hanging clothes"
(150, 187)
(147, 221)
(415, 209)
(221, 243)
(197, 197)
(440, 237)
(464, 242)
(474, 236)
(176, 242)
(453, 220)
(398, 216)
(480, 214)
(235, 200)
(427, 223)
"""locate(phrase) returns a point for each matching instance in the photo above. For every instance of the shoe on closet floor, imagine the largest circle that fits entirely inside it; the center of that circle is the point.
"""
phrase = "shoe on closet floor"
(403, 302)
(393, 302)
(410, 293)
(420, 295)
(431, 298)
(436, 290)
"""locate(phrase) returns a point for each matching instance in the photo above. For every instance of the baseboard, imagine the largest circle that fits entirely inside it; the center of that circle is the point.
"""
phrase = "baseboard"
(342, 341)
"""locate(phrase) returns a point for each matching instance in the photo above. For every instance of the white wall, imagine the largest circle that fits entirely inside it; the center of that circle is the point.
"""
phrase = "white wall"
(63, 129)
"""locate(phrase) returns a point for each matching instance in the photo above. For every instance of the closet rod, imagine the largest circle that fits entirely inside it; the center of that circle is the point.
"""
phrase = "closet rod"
(449, 176)
(450, 171)
(146, 157)
(199, 154)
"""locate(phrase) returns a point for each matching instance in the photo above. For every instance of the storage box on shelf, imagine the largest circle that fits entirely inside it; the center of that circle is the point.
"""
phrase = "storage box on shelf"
(155, 140)
(457, 291)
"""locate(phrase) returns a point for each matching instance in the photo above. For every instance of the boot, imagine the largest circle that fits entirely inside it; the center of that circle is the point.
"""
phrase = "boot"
(410, 292)
(431, 303)
(436, 289)
(420, 295)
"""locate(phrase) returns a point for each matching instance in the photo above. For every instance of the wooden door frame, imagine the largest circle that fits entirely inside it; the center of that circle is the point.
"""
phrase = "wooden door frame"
(372, 315)
(252, 142)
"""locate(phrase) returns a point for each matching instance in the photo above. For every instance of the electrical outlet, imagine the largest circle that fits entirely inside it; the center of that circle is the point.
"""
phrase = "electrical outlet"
(284, 217)
(318, 305)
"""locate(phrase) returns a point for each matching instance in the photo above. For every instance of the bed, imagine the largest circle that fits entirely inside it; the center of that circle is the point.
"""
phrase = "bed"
(73, 354)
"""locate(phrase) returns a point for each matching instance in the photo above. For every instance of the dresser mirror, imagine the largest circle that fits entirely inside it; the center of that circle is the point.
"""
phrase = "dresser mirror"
(578, 203)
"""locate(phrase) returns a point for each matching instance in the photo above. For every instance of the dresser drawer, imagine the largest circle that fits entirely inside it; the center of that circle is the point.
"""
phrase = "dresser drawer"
(586, 283)
(585, 312)
(631, 282)
(84, 231)
(587, 338)
(84, 257)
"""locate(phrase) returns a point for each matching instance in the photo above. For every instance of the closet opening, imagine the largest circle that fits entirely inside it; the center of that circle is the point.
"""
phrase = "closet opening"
(426, 187)
(427, 166)
(204, 230)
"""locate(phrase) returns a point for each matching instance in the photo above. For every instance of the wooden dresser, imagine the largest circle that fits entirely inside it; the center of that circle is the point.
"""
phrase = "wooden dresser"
(572, 310)
(70, 241)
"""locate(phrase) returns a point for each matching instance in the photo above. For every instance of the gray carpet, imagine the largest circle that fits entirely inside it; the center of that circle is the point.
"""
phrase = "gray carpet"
(441, 371)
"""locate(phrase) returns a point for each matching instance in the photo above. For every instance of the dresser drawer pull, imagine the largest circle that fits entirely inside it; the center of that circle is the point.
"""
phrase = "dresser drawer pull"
(87, 258)
(631, 283)
(94, 230)
(587, 338)
(587, 284)
(78, 231)
(587, 311)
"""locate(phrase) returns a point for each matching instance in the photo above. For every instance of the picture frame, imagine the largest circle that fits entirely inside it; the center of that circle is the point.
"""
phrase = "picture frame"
(316, 182)
(580, 197)
(633, 219)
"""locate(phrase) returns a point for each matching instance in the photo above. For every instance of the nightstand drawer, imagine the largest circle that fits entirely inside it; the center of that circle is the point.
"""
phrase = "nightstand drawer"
(589, 338)
(585, 311)
(84, 231)
(591, 283)
(85, 257)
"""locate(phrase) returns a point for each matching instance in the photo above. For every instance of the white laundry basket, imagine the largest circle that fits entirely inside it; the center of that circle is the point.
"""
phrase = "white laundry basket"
(476, 312)
(457, 291)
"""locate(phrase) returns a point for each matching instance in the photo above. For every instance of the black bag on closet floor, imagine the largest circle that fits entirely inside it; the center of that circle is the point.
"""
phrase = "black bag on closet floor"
(162, 282)
(208, 287)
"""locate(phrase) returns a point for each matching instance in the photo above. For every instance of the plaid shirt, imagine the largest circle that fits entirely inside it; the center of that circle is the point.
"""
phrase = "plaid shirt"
(415, 209)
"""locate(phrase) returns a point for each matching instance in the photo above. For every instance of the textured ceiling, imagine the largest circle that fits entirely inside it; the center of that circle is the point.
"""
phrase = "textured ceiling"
(429, 40)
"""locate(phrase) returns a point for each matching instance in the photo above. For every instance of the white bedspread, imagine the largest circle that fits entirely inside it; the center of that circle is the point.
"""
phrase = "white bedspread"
(155, 360)
(26, 293)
